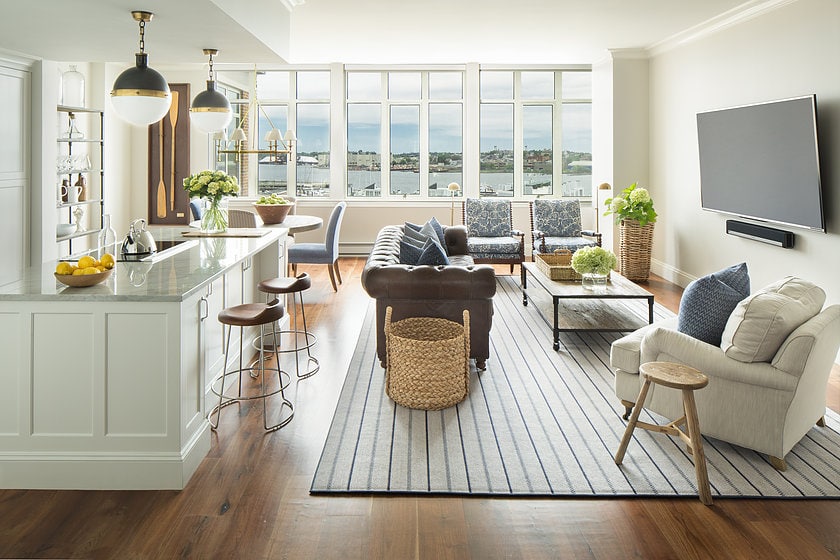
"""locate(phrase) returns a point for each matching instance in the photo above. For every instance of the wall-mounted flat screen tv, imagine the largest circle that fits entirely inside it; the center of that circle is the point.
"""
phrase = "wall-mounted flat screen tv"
(761, 161)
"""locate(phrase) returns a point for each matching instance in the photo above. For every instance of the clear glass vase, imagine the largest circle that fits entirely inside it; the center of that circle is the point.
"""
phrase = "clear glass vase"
(215, 219)
(594, 281)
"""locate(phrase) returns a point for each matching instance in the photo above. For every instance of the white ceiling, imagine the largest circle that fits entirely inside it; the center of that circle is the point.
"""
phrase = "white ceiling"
(358, 31)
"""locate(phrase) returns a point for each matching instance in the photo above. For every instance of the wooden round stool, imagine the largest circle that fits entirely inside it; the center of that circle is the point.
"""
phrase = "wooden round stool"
(251, 315)
(687, 379)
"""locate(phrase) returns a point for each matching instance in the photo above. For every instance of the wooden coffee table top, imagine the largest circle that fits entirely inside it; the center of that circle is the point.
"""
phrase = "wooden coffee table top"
(617, 286)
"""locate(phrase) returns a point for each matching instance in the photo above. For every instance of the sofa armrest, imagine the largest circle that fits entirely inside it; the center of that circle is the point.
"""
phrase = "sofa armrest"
(662, 344)
(456, 240)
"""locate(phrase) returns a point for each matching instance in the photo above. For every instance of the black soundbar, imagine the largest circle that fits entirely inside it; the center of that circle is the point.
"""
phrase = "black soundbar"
(773, 236)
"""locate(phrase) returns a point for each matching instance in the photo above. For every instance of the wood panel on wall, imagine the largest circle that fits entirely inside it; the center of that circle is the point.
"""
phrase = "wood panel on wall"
(169, 161)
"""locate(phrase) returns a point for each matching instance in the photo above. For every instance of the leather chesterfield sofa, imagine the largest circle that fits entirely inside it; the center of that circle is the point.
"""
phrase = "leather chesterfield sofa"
(431, 291)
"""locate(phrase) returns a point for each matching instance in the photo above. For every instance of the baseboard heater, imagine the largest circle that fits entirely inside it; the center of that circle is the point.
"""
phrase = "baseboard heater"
(764, 234)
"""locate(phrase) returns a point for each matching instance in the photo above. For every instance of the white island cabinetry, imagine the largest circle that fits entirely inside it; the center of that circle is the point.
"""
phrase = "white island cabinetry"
(106, 387)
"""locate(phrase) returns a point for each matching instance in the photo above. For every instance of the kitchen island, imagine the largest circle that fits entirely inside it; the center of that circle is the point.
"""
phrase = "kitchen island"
(106, 387)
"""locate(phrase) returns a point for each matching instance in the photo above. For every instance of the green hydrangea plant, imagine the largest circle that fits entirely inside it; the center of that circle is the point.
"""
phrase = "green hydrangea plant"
(593, 259)
(211, 184)
(634, 203)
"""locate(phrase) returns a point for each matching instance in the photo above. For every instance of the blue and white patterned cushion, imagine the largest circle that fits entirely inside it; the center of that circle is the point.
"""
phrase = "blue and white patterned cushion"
(708, 302)
(488, 218)
(557, 218)
(570, 243)
(482, 247)
(432, 254)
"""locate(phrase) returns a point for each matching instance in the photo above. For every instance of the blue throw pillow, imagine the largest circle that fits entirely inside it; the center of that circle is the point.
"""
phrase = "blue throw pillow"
(708, 302)
(736, 276)
(409, 252)
(434, 225)
(432, 254)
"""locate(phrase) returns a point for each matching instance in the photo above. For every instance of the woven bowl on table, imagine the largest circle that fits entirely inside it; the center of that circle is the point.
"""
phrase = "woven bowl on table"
(273, 213)
(83, 280)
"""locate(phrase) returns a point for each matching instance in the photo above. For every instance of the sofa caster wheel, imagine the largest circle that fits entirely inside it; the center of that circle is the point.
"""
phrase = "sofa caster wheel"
(480, 364)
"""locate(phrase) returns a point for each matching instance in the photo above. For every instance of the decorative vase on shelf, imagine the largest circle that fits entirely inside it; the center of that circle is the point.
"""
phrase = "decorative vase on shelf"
(73, 88)
(214, 219)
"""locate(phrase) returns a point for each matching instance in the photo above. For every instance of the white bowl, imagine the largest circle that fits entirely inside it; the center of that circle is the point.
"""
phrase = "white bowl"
(62, 230)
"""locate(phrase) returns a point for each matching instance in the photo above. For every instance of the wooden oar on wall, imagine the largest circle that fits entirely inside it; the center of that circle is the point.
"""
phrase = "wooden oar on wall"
(161, 188)
(173, 120)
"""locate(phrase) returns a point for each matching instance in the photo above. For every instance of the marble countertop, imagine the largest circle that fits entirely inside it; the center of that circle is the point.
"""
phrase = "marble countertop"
(171, 275)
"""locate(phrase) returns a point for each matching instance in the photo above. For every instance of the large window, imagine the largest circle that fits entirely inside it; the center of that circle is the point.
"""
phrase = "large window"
(408, 133)
(423, 133)
(524, 124)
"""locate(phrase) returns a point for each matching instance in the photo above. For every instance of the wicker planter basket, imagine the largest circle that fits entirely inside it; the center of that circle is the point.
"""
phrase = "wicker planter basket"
(428, 361)
(634, 247)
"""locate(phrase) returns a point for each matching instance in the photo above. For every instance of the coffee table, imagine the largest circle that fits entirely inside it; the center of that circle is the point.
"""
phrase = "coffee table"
(583, 309)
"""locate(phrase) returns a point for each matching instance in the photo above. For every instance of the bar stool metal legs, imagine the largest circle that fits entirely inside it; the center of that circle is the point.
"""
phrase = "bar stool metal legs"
(303, 339)
(252, 315)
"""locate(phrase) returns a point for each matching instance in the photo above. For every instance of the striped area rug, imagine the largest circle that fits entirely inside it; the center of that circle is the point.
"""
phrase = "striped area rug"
(540, 423)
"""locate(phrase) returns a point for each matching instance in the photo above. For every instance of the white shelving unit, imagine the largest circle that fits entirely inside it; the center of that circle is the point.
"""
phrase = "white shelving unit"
(92, 145)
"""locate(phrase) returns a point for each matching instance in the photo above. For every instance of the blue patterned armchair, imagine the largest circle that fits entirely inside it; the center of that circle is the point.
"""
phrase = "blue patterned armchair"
(491, 238)
(555, 224)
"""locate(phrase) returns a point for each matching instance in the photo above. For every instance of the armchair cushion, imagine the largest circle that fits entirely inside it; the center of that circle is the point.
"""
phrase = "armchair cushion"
(505, 246)
(570, 243)
(760, 324)
(708, 302)
(487, 217)
(557, 218)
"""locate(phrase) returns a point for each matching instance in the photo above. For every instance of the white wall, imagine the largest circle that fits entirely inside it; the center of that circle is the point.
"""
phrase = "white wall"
(791, 51)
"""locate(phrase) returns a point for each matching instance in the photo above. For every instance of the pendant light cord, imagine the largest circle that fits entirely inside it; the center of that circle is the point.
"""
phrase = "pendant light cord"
(142, 36)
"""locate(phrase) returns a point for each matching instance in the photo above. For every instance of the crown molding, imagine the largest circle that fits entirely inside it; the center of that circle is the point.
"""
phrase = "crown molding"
(735, 16)
(629, 54)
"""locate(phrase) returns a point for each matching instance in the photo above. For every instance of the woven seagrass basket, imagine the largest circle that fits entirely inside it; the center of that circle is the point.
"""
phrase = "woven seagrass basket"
(557, 265)
(428, 361)
(634, 248)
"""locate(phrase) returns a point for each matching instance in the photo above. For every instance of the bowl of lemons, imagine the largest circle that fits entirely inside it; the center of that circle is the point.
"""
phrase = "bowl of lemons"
(273, 208)
(86, 272)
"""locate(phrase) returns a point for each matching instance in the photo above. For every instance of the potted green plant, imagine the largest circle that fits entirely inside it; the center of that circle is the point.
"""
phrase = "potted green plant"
(633, 211)
(594, 265)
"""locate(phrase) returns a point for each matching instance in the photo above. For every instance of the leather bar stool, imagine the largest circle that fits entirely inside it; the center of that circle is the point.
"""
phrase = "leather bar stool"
(251, 315)
(296, 286)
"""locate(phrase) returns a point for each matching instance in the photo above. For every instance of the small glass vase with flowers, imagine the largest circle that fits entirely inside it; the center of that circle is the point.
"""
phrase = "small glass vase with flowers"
(212, 185)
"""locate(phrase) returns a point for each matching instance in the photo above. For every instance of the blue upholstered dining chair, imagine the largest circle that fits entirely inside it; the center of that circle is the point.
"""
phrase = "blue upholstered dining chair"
(555, 224)
(491, 238)
(322, 253)
(196, 209)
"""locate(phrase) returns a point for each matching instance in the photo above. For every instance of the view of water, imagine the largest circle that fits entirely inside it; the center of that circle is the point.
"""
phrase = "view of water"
(365, 183)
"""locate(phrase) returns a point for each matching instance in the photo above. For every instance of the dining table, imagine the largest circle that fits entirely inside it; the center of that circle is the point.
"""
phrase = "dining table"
(296, 223)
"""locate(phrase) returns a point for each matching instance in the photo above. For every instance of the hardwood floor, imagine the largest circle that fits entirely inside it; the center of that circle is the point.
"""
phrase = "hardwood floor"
(250, 496)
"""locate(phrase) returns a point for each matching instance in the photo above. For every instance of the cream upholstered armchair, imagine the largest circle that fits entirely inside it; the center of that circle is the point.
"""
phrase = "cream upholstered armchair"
(767, 378)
